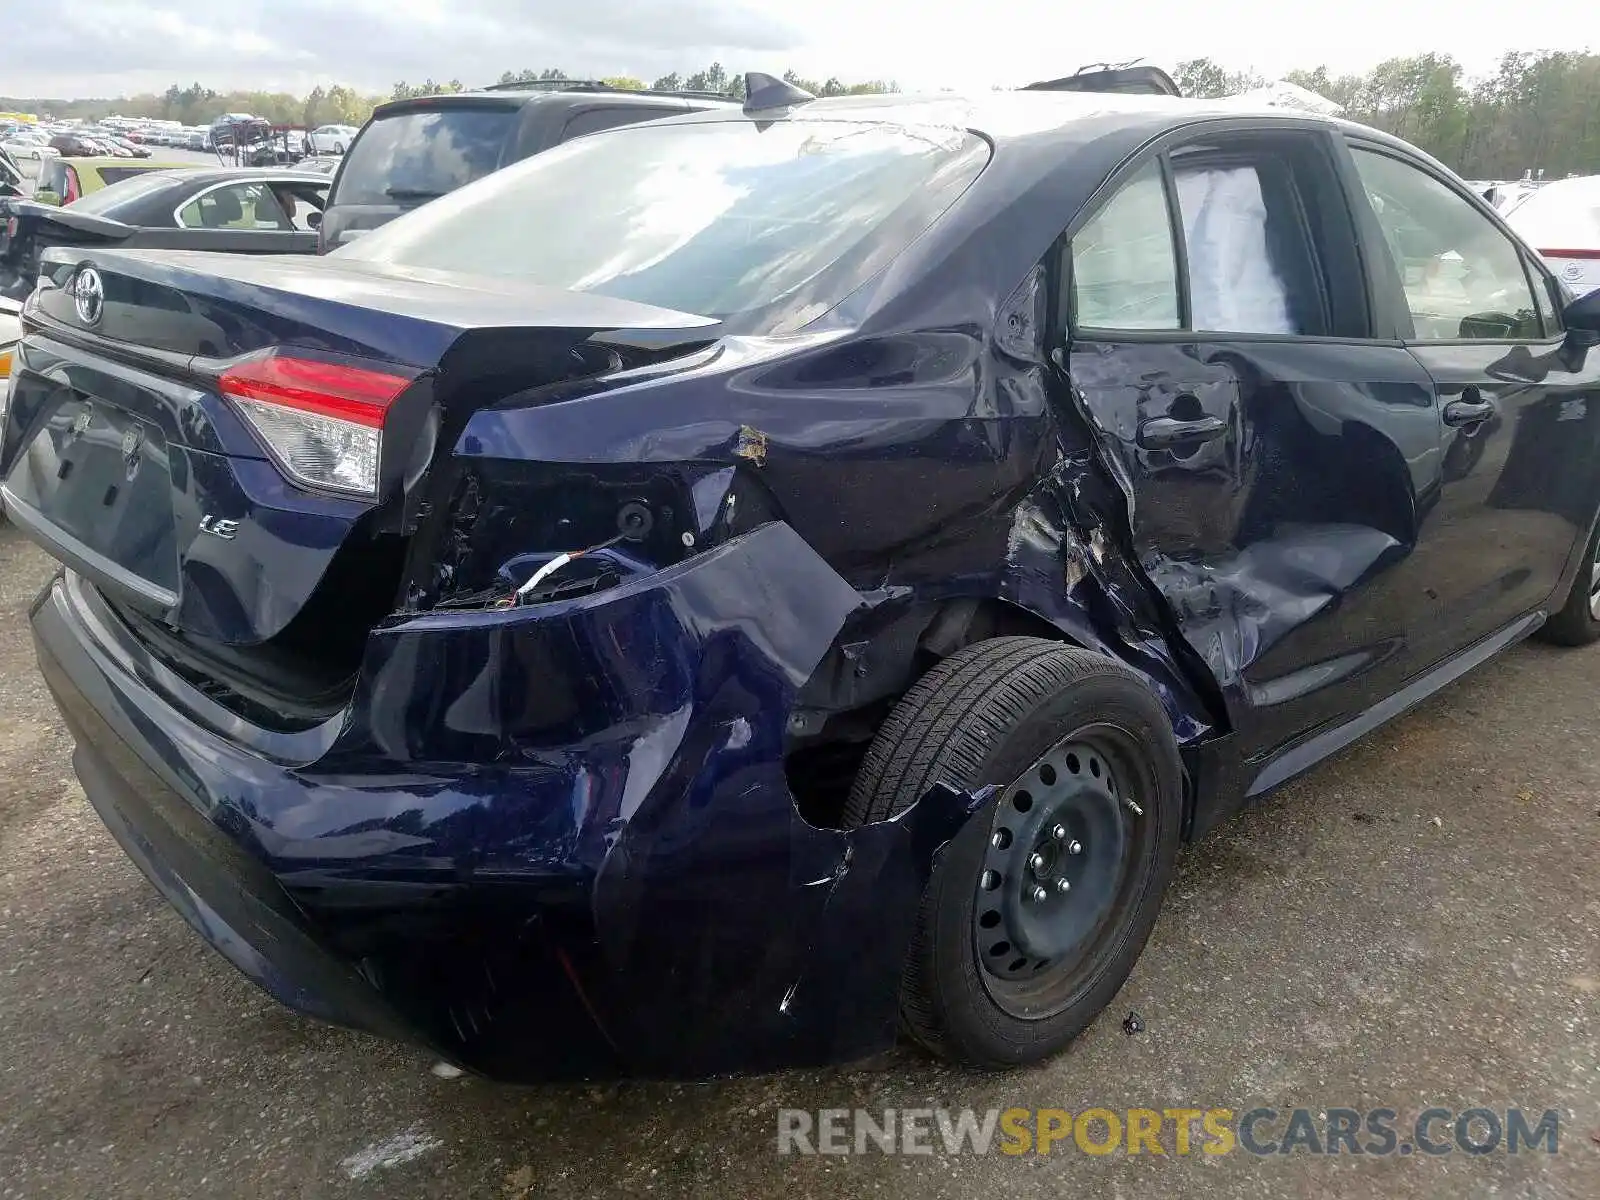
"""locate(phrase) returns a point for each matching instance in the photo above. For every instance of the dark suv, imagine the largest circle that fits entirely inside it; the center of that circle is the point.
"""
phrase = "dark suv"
(413, 151)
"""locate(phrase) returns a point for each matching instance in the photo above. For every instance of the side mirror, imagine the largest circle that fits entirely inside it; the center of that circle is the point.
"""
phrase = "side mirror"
(1582, 319)
(313, 219)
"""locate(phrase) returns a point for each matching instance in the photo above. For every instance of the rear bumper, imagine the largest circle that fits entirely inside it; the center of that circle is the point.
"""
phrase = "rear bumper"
(627, 889)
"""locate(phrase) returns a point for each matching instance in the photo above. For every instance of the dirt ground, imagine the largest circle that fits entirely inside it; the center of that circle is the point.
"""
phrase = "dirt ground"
(1411, 925)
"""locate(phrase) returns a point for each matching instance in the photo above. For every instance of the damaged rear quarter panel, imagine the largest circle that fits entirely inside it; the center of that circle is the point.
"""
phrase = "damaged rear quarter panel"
(632, 743)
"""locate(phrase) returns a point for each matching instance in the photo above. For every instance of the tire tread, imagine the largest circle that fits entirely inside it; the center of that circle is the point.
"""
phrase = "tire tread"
(943, 730)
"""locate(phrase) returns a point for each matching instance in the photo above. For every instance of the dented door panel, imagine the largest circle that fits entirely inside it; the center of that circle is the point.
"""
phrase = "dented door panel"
(1284, 545)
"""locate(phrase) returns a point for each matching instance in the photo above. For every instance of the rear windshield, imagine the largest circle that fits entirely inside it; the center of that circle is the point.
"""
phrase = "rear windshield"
(419, 155)
(102, 203)
(118, 174)
(715, 218)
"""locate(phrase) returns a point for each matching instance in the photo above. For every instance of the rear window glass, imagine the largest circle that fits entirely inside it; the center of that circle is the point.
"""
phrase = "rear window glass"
(712, 218)
(118, 174)
(107, 199)
(423, 154)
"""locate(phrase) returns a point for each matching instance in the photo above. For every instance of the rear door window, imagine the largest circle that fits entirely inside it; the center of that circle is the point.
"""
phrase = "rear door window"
(1252, 264)
(1250, 260)
(421, 154)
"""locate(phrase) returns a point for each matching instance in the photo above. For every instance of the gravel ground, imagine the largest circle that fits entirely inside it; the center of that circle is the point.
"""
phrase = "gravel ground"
(1412, 924)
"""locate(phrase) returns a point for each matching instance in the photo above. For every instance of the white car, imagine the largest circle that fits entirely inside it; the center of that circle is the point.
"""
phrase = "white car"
(332, 139)
(1561, 220)
(24, 147)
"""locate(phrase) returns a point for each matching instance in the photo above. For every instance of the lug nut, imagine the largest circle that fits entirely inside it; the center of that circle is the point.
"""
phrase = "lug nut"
(1063, 886)
(1040, 895)
(1059, 833)
(998, 841)
(1037, 863)
(1075, 848)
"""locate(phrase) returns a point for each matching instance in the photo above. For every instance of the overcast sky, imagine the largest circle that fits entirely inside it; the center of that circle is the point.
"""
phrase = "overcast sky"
(78, 48)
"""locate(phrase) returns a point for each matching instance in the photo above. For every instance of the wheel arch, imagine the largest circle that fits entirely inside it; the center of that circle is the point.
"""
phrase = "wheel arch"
(877, 658)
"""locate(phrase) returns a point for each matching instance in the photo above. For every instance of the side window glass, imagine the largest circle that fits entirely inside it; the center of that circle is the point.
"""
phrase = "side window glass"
(1248, 272)
(297, 204)
(246, 206)
(1462, 277)
(1124, 270)
(595, 119)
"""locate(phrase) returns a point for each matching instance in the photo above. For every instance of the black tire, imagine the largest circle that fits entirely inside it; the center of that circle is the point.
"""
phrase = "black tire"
(1575, 624)
(989, 714)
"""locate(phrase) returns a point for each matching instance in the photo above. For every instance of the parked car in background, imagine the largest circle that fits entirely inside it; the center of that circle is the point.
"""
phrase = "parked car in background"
(76, 145)
(28, 148)
(237, 210)
(1562, 221)
(130, 147)
(198, 139)
(523, 644)
(63, 180)
(331, 139)
(414, 151)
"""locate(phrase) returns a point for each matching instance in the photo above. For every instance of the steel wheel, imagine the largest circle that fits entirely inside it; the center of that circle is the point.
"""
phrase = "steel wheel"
(1057, 872)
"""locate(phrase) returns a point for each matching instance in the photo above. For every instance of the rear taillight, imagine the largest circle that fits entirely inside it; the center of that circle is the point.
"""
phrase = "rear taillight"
(322, 421)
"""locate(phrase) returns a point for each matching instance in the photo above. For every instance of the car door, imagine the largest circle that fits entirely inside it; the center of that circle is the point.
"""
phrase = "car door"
(1520, 406)
(1279, 460)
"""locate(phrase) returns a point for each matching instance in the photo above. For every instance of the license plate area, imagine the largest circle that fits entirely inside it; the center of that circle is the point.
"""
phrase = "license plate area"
(101, 476)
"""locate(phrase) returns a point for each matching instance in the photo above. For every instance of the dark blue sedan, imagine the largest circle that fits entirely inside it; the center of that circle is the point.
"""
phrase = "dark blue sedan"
(725, 589)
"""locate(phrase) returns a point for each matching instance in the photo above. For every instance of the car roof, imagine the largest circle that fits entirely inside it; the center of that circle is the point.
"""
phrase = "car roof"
(1024, 114)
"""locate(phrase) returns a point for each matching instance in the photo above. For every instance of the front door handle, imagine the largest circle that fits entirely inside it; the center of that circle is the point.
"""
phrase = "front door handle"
(1468, 411)
(1163, 433)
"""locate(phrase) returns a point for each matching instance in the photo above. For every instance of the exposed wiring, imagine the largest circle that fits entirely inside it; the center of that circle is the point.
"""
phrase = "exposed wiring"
(554, 565)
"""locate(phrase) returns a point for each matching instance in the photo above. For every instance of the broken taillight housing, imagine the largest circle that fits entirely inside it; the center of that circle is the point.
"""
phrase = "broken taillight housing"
(322, 421)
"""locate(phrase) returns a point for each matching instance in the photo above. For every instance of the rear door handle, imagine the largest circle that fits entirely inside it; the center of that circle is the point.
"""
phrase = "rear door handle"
(1468, 410)
(1163, 433)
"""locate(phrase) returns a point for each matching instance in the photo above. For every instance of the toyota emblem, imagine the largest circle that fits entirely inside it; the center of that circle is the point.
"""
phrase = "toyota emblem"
(89, 294)
(1572, 271)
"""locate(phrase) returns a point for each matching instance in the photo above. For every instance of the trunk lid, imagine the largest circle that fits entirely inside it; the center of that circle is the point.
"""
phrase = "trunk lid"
(122, 457)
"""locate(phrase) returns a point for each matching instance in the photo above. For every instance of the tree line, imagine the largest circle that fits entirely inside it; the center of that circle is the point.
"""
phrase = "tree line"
(339, 105)
(1536, 111)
